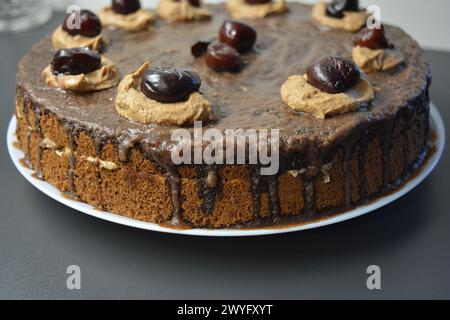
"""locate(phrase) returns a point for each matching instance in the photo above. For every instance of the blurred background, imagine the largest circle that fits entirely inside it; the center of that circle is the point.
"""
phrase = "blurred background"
(427, 21)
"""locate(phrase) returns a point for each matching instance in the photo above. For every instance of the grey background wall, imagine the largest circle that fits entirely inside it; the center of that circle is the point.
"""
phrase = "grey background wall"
(428, 21)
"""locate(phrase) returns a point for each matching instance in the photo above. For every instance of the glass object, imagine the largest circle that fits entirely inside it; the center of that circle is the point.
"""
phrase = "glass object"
(18, 15)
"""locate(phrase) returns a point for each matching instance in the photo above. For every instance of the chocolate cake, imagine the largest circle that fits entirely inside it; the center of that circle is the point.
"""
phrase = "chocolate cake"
(79, 142)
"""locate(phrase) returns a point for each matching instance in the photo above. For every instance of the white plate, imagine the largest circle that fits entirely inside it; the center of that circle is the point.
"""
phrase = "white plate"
(51, 191)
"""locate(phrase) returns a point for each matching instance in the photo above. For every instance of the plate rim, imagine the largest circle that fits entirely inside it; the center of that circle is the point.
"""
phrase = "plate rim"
(54, 193)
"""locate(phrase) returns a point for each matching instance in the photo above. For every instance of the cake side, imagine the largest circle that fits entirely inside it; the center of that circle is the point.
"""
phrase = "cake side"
(379, 158)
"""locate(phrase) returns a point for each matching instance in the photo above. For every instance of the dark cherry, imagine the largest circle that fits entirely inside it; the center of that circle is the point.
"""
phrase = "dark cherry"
(199, 48)
(125, 6)
(75, 61)
(336, 8)
(222, 57)
(257, 1)
(238, 35)
(333, 74)
(371, 38)
(90, 25)
(168, 85)
(194, 3)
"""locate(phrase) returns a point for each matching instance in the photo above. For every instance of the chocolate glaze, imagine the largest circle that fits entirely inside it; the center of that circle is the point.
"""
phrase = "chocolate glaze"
(286, 45)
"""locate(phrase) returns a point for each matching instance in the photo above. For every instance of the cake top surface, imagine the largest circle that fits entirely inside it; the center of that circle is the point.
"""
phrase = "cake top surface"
(250, 99)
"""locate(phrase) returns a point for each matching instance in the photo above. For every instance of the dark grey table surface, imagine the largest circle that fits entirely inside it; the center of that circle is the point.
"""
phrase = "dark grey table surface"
(40, 238)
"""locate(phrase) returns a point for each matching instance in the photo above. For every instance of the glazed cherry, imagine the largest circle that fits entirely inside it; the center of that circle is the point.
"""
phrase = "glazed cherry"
(89, 26)
(199, 48)
(333, 74)
(194, 3)
(169, 85)
(238, 35)
(372, 38)
(75, 61)
(126, 6)
(336, 8)
(257, 1)
(222, 57)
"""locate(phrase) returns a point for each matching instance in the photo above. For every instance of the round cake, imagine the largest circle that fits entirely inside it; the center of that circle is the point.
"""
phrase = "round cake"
(78, 142)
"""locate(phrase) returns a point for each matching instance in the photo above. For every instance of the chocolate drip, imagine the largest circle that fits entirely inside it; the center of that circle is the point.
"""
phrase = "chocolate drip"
(313, 165)
(408, 125)
(210, 188)
(386, 149)
(272, 184)
(212, 179)
(175, 190)
(308, 194)
(363, 145)
(347, 175)
(172, 175)
(123, 147)
(98, 144)
(255, 189)
(26, 109)
(72, 160)
(126, 142)
(37, 126)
